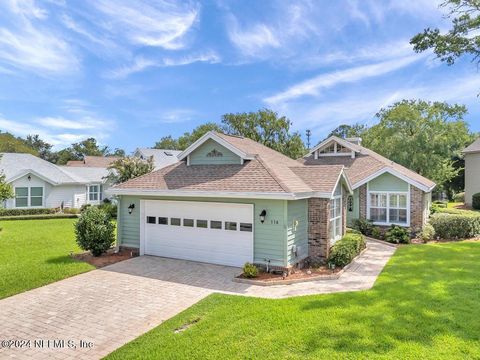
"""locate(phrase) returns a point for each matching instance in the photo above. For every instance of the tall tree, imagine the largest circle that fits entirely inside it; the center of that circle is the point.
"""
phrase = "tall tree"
(12, 144)
(422, 136)
(127, 168)
(345, 131)
(87, 147)
(167, 143)
(462, 39)
(266, 127)
(43, 148)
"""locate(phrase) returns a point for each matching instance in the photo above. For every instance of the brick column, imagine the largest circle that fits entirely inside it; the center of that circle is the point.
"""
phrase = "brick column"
(318, 229)
(417, 216)
(362, 201)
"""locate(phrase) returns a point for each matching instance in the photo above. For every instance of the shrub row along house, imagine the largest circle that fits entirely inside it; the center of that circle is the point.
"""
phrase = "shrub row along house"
(40, 184)
(230, 200)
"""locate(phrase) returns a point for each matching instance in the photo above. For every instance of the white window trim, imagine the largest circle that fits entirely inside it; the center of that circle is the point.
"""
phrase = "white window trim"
(335, 152)
(98, 192)
(334, 219)
(29, 198)
(388, 193)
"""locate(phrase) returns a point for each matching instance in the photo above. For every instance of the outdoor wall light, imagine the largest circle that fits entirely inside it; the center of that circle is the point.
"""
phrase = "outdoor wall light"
(130, 208)
(29, 177)
(262, 216)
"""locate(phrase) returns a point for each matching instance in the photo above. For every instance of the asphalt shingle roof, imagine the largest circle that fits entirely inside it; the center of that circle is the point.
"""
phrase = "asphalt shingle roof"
(474, 147)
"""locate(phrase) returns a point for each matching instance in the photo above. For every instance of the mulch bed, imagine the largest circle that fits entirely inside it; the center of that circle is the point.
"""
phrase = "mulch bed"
(109, 258)
(294, 275)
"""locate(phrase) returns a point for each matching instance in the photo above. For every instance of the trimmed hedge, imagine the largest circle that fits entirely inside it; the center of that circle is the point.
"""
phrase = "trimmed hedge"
(39, 217)
(460, 197)
(20, 212)
(476, 201)
(345, 249)
(456, 226)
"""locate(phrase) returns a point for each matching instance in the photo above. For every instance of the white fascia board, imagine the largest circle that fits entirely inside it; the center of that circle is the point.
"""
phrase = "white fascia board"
(342, 142)
(344, 176)
(218, 194)
(218, 139)
(30, 171)
(396, 174)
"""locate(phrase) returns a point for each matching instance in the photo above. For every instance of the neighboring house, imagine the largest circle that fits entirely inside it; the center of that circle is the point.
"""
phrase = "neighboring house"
(472, 171)
(230, 200)
(40, 184)
(93, 161)
(161, 157)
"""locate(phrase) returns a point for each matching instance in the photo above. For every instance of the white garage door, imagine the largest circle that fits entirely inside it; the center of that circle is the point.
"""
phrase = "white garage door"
(217, 233)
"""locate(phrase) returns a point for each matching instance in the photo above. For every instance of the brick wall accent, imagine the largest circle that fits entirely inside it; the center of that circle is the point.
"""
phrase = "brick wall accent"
(417, 209)
(362, 201)
(318, 229)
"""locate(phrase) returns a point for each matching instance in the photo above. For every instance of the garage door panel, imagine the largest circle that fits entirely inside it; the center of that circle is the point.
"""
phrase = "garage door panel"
(219, 246)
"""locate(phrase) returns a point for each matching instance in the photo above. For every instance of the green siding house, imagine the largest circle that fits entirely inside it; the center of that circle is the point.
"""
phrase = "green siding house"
(230, 200)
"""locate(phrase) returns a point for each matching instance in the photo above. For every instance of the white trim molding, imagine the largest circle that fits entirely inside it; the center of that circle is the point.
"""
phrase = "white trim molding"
(343, 142)
(396, 174)
(212, 135)
(387, 206)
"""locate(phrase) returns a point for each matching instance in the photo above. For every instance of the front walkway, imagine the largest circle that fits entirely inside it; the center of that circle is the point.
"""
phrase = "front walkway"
(109, 307)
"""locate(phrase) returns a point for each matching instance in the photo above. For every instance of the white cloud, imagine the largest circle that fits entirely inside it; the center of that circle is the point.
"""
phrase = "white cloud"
(78, 124)
(162, 24)
(323, 115)
(313, 86)
(255, 40)
(28, 44)
(140, 64)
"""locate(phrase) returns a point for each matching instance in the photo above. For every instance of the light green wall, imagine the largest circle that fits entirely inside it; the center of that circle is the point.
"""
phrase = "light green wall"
(199, 155)
(387, 182)
(355, 214)
(269, 237)
(297, 211)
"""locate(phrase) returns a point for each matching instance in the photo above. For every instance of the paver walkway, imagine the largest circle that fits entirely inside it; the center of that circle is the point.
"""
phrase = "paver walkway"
(112, 306)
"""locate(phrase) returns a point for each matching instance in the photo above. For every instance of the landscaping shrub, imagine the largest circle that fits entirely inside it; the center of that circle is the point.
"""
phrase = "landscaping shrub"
(109, 208)
(377, 233)
(71, 211)
(460, 197)
(456, 226)
(397, 235)
(345, 249)
(84, 207)
(94, 231)
(250, 270)
(21, 212)
(456, 211)
(352, 231)
(364, 226)
(476, 201)
(427, 233)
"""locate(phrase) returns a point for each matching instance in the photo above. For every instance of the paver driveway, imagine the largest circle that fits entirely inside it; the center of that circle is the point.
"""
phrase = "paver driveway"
(112, 306)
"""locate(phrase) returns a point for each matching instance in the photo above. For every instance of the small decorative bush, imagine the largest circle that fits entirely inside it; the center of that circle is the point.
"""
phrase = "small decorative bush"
(345, 249)
(352, 231)
(94, 231)
(250, 270)
(84, 207)
(377, 233)
(460, 197)
(364, 226)
(397, 235)
(476, 201)
(427, 233)
(71, 211)
(456, 226)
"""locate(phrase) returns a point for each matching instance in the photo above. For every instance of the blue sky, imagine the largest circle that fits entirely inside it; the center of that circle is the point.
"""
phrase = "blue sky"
(130, 72)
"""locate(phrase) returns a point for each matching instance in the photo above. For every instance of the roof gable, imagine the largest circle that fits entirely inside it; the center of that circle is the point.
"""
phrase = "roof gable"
(473, 148)
(211, 135)
(211, 152)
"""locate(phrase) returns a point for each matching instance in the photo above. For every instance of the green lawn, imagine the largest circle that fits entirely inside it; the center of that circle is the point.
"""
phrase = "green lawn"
(425, 305)
(36, 252)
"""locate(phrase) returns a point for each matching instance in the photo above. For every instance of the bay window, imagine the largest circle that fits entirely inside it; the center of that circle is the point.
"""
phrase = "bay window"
(388, 208)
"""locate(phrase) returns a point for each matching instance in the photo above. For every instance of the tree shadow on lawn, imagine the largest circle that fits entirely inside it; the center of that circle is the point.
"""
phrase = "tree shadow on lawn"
(413, 302)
